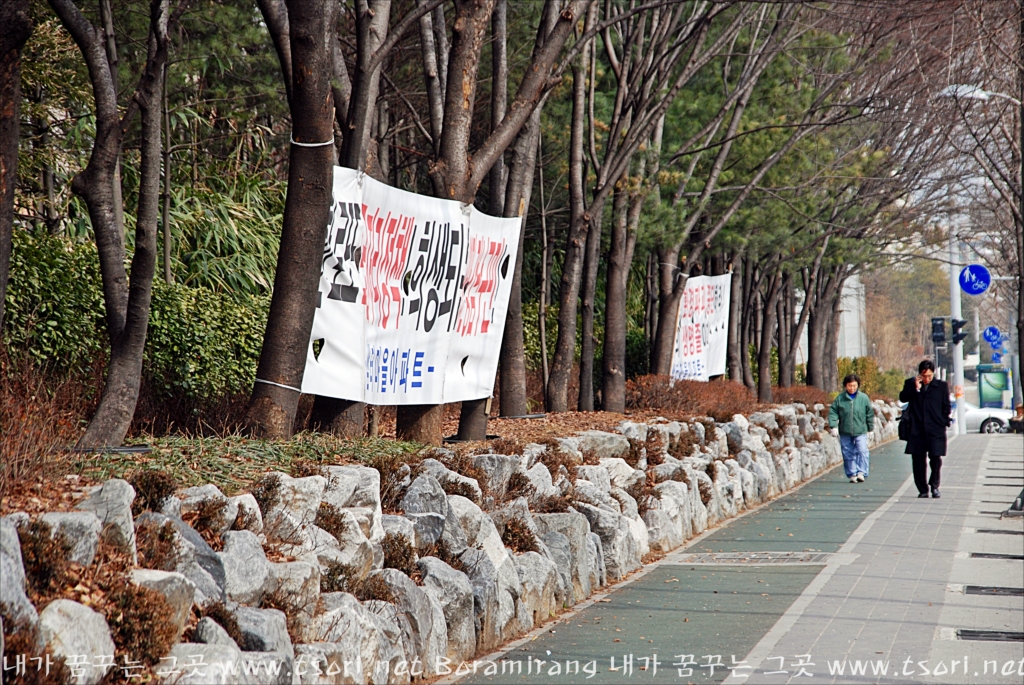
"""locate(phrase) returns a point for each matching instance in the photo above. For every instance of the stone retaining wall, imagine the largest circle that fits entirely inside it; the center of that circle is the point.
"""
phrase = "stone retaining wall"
(446, 615)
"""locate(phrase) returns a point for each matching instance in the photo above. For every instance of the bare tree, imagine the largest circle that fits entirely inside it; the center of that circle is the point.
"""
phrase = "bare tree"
(127, 299)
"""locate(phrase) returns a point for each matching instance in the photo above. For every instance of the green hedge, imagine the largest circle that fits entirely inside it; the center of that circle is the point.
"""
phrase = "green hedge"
(200, 344)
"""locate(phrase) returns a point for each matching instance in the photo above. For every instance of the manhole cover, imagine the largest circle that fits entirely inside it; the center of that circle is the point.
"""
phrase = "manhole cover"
(996, 591)
(990, 635)
(752, 558)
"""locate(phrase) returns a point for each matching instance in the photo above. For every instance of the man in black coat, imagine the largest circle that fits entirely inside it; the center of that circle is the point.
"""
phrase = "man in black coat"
(928, 411)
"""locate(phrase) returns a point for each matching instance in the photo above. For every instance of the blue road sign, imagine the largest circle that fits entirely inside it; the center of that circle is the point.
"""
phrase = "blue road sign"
(991, 334)
(996, 358)
(975, 279)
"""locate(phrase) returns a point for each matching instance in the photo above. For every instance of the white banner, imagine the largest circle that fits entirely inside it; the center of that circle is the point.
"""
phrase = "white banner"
(702, 329)
(413, 296)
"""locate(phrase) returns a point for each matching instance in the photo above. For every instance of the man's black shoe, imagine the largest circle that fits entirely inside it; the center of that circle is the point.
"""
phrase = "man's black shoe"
(935, 493)
(923, 495)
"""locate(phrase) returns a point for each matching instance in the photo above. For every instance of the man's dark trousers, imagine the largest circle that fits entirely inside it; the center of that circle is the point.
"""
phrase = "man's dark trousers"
(921, 463)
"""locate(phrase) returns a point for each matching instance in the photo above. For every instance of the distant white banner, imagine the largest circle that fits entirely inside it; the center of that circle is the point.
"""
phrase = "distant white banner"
(413, 296)
(702, 329)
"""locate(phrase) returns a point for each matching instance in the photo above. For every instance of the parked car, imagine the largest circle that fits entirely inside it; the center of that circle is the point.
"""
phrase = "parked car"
(987, 419)
(981, 419)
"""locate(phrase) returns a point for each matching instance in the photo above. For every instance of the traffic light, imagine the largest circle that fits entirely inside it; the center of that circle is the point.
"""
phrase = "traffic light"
(958, 335)
(938, 330)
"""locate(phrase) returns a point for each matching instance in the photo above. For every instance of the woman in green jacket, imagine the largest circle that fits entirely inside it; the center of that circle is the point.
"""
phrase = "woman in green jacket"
(851, 417)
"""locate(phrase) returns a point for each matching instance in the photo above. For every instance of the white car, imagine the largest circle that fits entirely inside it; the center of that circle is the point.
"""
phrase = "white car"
(983, 420)
(987, 419)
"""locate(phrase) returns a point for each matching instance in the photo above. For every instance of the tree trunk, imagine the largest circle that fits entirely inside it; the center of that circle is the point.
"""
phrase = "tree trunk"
(420, 423)
(572, 265)
(343, 418)
(591, 261)
(735, 363)
(613, 362)
(671, 283)
(764, 352)
(372, 18)
(513, 353)
(473, 418)
(307, 207)
(113, 416)
(747, 328)
(15, 29)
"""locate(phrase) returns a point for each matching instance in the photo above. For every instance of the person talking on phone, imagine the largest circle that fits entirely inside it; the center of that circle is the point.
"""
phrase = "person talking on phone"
(928, 411)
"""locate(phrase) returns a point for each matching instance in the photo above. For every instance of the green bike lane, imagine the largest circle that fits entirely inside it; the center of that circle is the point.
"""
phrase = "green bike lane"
(684, 623)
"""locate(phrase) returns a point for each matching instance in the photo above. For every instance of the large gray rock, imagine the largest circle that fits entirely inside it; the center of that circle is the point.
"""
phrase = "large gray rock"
(543, 486)
(484, 579)
(540, 585)
(428, 526)
(621, 553)
(603, 445)
(499, 469)
(344, 544)
(178, 590)
(296, 584)
(673, 499)
(480, 530)
(247, 512)
(14, 602)
(401, 526)
(424, 496)
(518, 510)
(68, 628)
(586, 491)
(357, 489)
(556, 548)
(595, 553)
(665, 534)
(209, 496)
(597, 476)
(575, 528)
(263, 630)
(246, 569)
(81, 529)
(112, 504)
(366, 640)
(425, 615)
(196, 560)
(454, 593)
(295, 510)
(733, 435)
(445, 476)
(454, 536)
(621, 474)
(209, 632)
(632, 430)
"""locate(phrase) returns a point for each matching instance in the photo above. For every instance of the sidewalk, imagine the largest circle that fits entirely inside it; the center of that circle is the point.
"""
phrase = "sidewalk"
(892, 608)
(860, 572)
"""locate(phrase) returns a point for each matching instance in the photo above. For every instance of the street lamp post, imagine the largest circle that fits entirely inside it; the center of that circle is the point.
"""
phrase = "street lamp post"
(957, 348)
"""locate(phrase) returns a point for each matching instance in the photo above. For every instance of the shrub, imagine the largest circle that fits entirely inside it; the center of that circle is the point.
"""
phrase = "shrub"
(518, 537)
(23, 640)
(553, 457)
(460, 488)
(463, 464)
(219, 612)
(330, 519)
(440, 550)
(644, 494)
(519, 485)
(399, 554)
(152, 489)
(719, 399)
(507, 446)
(45, 559)
(552, 504)
(157, 547)
(394, 469)
(807, 395)
(267, 491)
(141, 622)
(200, 344)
